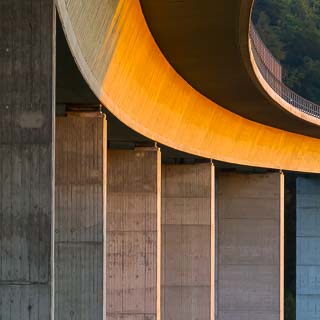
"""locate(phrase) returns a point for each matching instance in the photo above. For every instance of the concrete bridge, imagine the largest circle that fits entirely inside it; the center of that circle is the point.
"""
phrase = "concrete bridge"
(144, 147)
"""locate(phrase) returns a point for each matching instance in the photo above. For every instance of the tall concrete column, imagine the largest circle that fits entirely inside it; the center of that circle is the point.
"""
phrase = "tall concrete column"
(250, 246)
(27, 54)
(308, 244)
(188, 242)
(133, 234)
(80, 217)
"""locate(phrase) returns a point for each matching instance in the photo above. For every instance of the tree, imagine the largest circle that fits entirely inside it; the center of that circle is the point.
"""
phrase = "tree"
(291, 30)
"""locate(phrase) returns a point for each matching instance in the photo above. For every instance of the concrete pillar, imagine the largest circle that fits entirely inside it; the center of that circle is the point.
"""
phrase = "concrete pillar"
(308, 248)
(133, 234)
(80, 217)
(188, 242)
(250, 246)
(27, 55)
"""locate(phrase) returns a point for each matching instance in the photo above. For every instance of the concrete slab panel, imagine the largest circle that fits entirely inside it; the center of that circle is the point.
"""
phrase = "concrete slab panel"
(131, 212)
(79, 281)
(308, 221)
(249, 185)
(248, 206)
(308, 251)
(144, 316)
(20, 301)
(308, 200)
(187, 181)
(246, 288)
(187, 259)
(308, 186)
(192, 210)
(191, 300)
(308, 281)
(248, 315)
(248, 241)
(308, 307)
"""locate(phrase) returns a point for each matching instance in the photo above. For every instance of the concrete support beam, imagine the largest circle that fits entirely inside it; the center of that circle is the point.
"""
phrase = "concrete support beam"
(27, 53)
(188, 242)
(80, 217)
(133, 234)
(250, 246)
(308, 244)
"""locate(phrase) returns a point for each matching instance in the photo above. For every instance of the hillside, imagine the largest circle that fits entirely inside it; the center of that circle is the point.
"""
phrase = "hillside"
(291, 30)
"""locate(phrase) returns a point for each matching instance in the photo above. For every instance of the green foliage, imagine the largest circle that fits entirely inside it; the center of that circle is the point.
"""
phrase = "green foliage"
(290, 306)
(291, 30)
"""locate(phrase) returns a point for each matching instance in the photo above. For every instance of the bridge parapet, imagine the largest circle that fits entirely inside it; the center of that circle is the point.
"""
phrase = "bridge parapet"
(271, 70)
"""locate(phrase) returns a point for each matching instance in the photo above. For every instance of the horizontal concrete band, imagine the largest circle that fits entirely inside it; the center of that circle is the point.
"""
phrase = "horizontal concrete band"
(122, 64)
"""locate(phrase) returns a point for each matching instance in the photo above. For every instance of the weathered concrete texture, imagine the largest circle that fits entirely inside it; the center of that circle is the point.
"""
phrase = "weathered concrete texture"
(80, 217)
(133, 227)
(26, 161)
(308, 248)
(186, 241)
(250, 246)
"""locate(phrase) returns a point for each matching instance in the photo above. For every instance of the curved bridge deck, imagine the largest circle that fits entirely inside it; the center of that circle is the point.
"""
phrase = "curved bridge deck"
(179, 95)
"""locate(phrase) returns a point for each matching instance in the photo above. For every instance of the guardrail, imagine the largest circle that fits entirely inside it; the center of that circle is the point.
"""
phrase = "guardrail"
(271, 70)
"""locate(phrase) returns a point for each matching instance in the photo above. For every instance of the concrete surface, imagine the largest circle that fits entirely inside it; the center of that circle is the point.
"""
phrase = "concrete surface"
(122, 64)
(308, 244)
(187, 233)
(250, 246)
(133, 234)
(26, 158)
(207, 44)
(80, 217)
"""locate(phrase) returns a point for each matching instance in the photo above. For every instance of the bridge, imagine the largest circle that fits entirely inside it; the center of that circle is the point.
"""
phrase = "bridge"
(144, 150)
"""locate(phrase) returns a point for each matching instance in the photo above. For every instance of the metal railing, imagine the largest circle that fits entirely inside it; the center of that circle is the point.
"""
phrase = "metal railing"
(271, 70)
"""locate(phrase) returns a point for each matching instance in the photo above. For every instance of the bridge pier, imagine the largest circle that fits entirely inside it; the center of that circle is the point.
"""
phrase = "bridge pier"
(27, 108)
(188, 242)
(80, 216)
(308, 243)
(250, 246)
(133, 234)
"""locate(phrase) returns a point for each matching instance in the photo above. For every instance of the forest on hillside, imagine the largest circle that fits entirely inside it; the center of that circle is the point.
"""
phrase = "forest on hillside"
(291, 30)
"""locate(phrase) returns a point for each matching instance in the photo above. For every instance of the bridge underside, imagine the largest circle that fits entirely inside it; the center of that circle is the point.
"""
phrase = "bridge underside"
(124, 67)
(207, 44)
(98, 221)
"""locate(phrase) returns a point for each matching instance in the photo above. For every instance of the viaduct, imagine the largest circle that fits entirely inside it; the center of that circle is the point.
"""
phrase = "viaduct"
(144, 147)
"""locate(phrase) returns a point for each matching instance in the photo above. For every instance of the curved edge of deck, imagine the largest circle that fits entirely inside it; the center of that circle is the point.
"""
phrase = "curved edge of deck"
(254, 72)
(126, 70)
